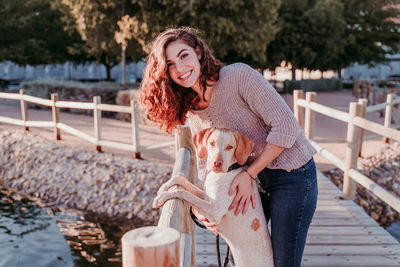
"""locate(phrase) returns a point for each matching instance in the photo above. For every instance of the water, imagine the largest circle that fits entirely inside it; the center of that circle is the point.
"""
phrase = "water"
(394, 230)
(35, 235)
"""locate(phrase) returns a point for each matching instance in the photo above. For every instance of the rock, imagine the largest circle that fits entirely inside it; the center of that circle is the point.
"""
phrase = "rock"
(95, 182)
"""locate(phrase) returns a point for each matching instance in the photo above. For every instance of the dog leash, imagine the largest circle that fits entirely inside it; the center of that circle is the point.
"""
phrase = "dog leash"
(197, 222)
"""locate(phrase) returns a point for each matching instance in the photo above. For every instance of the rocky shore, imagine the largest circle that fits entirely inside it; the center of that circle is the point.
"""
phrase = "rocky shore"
(384, 169)
(104, 185)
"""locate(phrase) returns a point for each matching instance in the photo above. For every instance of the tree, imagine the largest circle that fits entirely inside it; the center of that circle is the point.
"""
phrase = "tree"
(235, 30)
(370, 32)
(96, 22)
(31, 32)
(310, 32)
(329, 34)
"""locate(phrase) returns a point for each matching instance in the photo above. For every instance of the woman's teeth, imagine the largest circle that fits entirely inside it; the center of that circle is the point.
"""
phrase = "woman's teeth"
(185, 75)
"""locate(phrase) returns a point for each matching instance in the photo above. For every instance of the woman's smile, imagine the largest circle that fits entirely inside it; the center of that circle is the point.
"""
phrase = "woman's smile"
(183, 64)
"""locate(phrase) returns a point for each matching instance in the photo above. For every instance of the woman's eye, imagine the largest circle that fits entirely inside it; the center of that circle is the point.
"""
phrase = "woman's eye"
(229, 147)
(212, 143)
(184, 56)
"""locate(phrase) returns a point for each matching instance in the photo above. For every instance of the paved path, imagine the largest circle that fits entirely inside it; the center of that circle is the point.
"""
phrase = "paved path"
(341, 234)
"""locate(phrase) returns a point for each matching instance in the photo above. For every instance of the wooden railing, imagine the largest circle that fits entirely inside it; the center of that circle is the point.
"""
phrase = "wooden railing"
(391, 110)
(97, 108)
(140, 246)
(366, 89)
(356, 122)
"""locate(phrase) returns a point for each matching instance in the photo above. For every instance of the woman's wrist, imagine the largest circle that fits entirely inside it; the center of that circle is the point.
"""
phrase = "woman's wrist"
(249, 174)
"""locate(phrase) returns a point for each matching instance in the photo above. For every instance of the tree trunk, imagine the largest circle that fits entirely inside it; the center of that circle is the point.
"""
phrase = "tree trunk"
(123, 69)
(340, 72)
(108, 71)
(293, 71)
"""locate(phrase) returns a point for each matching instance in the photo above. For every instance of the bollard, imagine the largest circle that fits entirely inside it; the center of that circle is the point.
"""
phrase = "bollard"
(151, 247)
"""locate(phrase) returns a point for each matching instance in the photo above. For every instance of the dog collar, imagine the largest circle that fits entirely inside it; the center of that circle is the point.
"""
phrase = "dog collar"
(234, 166)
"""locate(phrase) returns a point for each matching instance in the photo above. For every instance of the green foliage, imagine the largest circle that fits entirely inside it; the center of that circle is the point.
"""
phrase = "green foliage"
(96, 22)
(31, 32)
(3, 84)
(330, 34)
(235, 30)
(370, 33)
(316, 85)
(310, 32)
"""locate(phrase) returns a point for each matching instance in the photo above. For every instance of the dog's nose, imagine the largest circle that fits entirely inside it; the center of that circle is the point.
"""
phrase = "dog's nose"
(218, 163)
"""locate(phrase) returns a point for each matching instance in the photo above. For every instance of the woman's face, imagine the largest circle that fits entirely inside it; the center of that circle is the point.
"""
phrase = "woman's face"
(183, 64)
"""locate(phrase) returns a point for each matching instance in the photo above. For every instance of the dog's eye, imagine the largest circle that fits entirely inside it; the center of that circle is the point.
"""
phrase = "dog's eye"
(212, 143)
(229, 147)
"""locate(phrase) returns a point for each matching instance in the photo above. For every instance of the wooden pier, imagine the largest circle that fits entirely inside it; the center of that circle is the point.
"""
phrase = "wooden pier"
(341, 234)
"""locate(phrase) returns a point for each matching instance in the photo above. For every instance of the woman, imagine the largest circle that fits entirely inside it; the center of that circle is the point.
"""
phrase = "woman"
(183, 81)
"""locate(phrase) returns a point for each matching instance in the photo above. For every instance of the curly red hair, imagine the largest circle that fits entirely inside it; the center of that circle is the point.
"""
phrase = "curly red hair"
(165, 102)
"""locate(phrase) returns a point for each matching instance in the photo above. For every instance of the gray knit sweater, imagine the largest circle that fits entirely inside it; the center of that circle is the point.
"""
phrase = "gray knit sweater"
(245, 101)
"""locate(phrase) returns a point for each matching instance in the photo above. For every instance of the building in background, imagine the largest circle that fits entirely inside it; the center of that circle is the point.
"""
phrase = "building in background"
(69, 71)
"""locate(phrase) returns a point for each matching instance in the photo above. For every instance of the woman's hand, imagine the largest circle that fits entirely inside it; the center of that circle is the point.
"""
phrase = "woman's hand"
(243, 185)
(208, 224)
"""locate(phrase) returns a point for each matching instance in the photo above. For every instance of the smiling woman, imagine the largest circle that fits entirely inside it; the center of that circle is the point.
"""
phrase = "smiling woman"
(179, 59)
(183, 64)
(183, 81)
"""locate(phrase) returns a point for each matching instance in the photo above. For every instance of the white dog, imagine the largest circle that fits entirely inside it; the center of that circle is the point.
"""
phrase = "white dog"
(247, 235)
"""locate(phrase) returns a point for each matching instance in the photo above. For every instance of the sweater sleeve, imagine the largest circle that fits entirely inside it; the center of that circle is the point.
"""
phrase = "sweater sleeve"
(266, 103)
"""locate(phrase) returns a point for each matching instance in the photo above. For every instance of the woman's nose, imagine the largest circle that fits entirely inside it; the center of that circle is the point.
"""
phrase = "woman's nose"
(179, 66)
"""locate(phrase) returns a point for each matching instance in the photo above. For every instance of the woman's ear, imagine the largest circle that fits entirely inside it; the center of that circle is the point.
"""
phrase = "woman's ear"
(198, 52)
(244, 146)
(200, 141)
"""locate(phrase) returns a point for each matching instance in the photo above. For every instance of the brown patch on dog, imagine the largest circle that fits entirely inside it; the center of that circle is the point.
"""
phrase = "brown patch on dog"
(255, 224)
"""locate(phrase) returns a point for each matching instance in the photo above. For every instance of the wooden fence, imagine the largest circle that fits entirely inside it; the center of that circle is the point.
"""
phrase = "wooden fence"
(55, 104)
(140, 247)
(356, 121)
(366, 89)
(390, 109)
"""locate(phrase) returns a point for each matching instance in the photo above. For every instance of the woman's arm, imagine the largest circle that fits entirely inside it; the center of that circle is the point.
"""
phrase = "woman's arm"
(243, 183)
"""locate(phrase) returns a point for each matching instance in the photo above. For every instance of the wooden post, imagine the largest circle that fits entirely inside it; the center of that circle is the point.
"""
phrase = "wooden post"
(310, 116)
(368, 91)
(174, 213)
(24, 109)
(97, 122)
(356, 86)
(56, 116)
(353, 134)
(151, 247)
(373, 95)
(398, 116)
(297, 110)
(135, 130)
(361, 94)
(388, 115)
(363, 102)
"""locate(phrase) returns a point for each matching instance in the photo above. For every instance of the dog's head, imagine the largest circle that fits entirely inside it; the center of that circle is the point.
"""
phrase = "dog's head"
(222, 147)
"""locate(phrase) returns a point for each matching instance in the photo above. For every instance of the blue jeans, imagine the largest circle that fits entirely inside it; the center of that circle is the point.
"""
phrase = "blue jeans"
(290, 201)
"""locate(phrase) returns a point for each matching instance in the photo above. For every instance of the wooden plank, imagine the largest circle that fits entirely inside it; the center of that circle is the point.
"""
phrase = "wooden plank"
(351, 260)
(341, 221)
(371, 249)
(346, 230)
(337, 239)
(185, 250)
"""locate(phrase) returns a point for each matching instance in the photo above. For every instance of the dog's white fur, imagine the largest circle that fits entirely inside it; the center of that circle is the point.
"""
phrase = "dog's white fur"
(247, 235)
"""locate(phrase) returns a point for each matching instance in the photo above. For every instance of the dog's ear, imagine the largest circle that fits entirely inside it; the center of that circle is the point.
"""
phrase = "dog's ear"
(200, 141)
(244, 146)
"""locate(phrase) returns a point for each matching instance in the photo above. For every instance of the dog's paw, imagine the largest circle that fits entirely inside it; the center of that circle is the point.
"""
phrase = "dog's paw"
(164, 187)
(160, 199)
